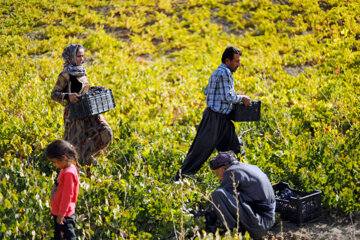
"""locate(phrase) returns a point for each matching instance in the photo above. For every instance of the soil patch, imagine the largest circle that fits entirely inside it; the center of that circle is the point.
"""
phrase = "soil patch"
(328, 227)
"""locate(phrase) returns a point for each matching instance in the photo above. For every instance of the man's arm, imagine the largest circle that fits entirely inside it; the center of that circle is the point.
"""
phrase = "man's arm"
(227, 89)
(230, 94)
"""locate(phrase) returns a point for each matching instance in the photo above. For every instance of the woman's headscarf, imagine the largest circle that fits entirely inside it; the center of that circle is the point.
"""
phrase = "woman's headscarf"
(69, 55)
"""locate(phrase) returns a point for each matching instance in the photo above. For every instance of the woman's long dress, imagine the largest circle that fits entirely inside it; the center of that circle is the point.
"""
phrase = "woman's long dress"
(91, 135)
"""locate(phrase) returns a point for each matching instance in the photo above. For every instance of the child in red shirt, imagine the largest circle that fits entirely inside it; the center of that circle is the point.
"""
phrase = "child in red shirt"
(65, 190)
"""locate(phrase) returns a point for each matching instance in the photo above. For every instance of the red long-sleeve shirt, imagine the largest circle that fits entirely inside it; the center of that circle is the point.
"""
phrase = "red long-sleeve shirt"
(65, 193)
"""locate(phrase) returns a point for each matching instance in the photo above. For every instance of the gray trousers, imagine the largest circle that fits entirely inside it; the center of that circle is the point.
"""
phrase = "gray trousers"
(239, 214)
(216, 130)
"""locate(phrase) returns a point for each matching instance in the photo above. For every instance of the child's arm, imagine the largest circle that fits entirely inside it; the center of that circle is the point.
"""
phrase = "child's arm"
(60, 220)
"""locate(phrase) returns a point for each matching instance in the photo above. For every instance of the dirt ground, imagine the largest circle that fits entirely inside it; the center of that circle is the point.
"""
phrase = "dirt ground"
(327, 227)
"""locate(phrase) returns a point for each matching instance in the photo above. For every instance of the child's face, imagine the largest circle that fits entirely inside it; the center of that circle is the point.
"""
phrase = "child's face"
(59, 163)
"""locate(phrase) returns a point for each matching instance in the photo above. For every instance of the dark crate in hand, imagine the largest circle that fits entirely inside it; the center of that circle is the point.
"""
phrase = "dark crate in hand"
(240, 113)
(92, 103)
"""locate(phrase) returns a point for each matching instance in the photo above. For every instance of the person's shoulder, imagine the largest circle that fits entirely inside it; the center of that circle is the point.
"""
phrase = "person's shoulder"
(250, 169)
(64, 75)
(218, 71)
(71, 170)
(244, 165)
(237, 166)
(222, 69)
(232, 173)
(232, 168)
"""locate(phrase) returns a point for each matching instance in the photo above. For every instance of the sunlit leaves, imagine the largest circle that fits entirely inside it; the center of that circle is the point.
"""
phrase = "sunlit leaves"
(300, 58)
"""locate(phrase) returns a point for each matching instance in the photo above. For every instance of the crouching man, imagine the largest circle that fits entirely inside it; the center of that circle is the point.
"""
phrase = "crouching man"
(245, 198)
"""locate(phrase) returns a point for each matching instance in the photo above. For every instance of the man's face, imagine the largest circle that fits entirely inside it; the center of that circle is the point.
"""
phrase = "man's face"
(220, 172)
(234, 63)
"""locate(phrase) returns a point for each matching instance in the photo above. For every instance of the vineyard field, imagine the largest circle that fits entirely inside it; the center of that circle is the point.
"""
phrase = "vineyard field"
(301, 58)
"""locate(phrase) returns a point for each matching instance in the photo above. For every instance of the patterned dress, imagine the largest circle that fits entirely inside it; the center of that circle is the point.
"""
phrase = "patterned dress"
(91, 135)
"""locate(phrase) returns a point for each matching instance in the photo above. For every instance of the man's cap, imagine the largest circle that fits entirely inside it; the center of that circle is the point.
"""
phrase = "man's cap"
(222, 159)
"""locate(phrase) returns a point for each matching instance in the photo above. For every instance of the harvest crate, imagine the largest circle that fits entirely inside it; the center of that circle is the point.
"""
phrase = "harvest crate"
(301, 207)
(240, 113)
(92, 103)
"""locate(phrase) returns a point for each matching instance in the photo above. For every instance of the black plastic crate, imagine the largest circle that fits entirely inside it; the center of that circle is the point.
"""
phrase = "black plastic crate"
(240, 113)
(92, 103)
(298, 206)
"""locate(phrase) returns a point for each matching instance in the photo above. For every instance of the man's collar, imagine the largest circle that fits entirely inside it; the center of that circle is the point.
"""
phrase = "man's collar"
(223, 65)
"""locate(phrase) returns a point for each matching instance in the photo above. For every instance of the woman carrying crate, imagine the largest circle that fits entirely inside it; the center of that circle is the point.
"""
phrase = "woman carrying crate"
(90, 135)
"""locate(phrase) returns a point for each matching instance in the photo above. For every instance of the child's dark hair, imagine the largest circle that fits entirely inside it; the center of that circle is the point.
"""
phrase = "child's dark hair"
(58, 148)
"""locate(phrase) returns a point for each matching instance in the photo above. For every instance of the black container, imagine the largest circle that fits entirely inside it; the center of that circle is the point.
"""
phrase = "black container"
(303, 207)
(240, 113)
(92, 103)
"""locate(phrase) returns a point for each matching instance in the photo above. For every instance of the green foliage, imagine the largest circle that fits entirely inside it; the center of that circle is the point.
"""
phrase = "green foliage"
(300, 58)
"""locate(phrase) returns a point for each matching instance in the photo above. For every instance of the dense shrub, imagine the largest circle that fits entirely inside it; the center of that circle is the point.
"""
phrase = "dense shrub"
(300, 58)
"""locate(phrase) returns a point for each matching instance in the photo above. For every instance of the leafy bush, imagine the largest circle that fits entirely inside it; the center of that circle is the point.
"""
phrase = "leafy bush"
(299, 57)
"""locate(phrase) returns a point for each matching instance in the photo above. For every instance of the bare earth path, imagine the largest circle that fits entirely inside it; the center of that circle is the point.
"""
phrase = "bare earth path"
(327, 227)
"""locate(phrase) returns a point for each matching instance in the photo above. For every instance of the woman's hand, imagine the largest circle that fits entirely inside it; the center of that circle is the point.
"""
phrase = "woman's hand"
(60, 220)
(246, 101)
(73, 97)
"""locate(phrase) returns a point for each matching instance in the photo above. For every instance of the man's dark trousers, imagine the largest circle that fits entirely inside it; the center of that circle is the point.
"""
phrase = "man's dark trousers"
(216, 130)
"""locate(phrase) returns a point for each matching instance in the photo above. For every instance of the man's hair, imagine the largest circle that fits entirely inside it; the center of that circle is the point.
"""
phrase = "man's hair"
(229, 53)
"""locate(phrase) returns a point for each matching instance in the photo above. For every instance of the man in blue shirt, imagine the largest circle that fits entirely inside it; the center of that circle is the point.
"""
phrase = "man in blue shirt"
(216, 129)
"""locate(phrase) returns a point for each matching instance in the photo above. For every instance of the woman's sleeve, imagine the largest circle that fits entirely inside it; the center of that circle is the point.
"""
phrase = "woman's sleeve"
(60, 91)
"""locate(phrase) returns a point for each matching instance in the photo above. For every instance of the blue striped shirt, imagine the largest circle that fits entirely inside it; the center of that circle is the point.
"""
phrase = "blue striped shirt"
(220, 93)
